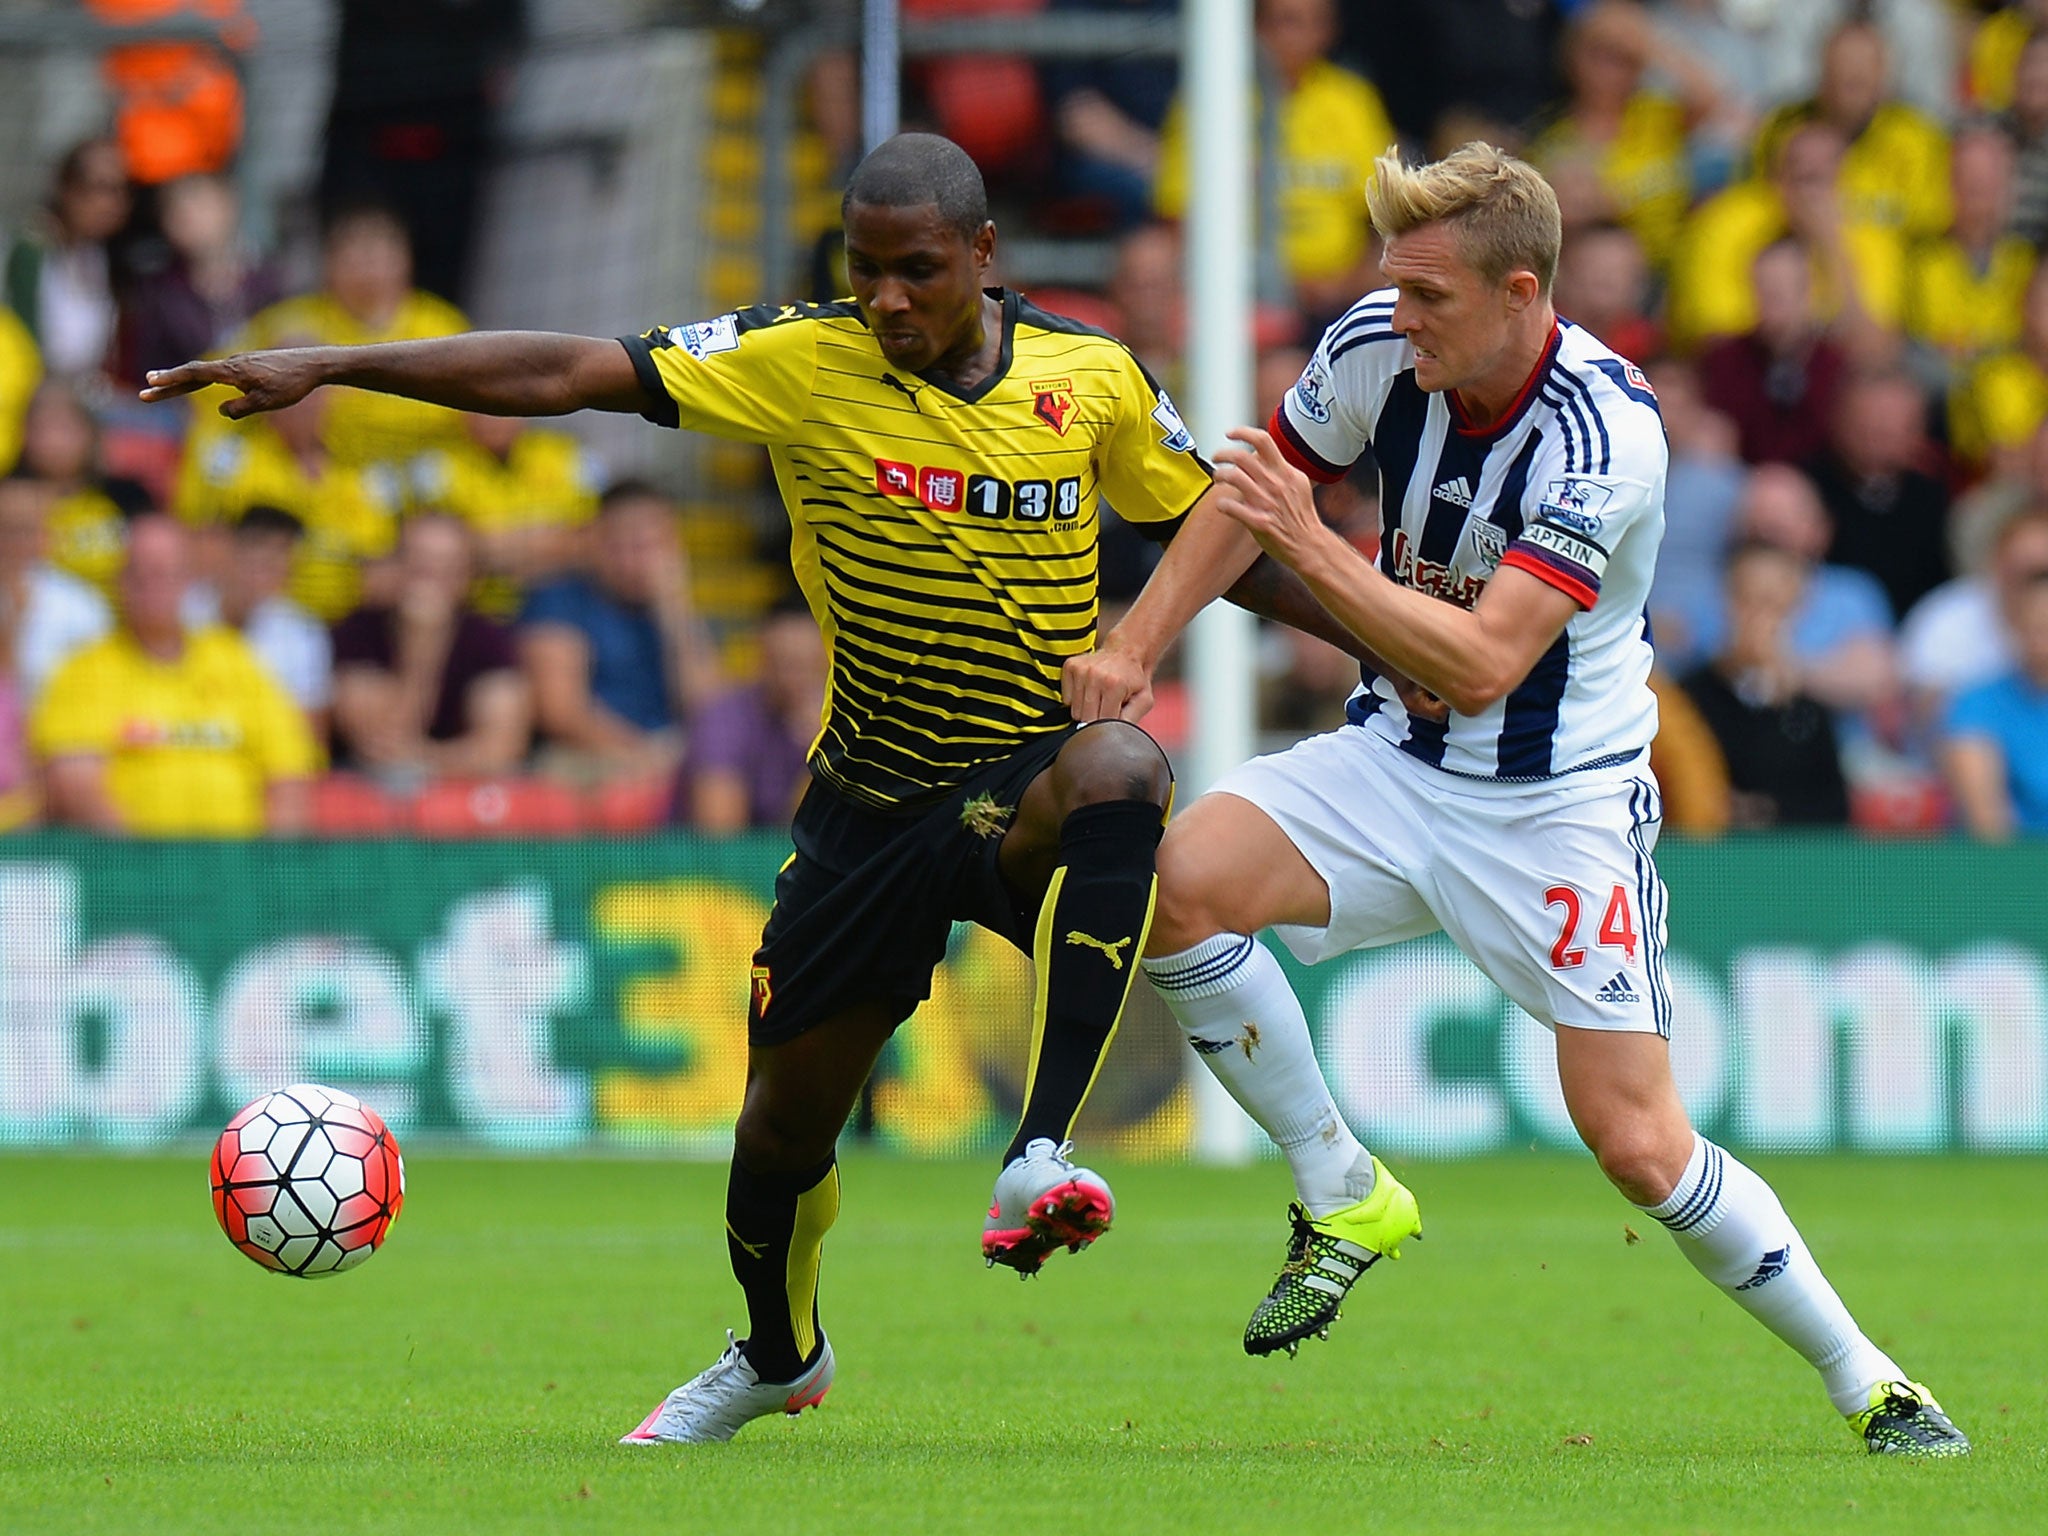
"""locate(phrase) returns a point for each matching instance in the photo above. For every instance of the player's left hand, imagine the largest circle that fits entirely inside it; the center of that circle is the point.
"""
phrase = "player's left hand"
(1107, 684)
(267, 381)
(1269, 497)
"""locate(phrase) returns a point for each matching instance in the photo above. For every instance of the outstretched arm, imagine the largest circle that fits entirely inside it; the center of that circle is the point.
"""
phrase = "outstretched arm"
(498, 373)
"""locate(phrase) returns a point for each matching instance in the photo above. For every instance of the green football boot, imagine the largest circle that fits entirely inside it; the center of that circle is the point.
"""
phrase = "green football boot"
(1325, 1257)
(1903, 1419)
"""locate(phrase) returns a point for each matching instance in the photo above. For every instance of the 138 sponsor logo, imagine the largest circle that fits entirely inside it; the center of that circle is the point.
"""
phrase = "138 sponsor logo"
(947, 490)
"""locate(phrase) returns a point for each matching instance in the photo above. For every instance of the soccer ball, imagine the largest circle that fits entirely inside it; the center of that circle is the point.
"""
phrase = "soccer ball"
(307, 1180)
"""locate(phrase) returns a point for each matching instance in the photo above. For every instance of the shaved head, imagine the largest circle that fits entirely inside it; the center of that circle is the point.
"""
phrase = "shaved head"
(914, 170)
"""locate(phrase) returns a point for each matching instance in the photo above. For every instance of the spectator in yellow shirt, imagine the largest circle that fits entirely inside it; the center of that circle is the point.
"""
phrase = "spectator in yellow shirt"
(2004, 397)
(1965, 289)
(1615, 152)
(1331, 123)
(524, 491)
(89, 511)
(366, 296)
(1859, 268)
(165, 732)
(350, 513)
(1895, 167)
(1995, 50)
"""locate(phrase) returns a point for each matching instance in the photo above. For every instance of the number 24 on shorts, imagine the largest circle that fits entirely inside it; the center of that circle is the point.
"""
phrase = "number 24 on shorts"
(1617, 927)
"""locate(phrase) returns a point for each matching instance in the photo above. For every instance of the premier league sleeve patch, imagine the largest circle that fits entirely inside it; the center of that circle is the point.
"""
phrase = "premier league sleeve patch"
(1312, 392)
(701, 338)
(1575, 504)
(1178, 438)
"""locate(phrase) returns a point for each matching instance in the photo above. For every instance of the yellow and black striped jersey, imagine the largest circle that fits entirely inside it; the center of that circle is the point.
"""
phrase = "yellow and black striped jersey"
(945, 540)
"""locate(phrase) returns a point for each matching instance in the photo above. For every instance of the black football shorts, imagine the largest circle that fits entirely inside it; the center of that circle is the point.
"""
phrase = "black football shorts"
(864, 907)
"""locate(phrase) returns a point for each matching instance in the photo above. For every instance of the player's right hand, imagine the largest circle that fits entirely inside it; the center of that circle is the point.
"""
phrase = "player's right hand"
(268, 381)
(1106, 685)
(1418, 700)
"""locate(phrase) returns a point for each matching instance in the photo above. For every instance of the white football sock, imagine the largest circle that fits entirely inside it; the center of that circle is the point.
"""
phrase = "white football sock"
(1729, 1224)
(1245, 1022)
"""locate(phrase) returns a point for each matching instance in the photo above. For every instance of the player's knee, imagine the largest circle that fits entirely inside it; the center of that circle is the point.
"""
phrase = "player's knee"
(1636, 1161)
(1190, 905)
(1112, 760)
(768, 1142)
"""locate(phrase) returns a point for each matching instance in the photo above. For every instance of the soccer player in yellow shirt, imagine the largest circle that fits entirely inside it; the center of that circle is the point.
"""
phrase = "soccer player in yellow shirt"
(942, 449)
(165, 732)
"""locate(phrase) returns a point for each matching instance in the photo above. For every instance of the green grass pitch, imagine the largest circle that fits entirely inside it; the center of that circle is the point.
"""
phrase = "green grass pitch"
(1526, 1369)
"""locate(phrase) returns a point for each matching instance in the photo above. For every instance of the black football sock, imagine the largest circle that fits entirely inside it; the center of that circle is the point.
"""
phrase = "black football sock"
(1091, 932)
(775, 1227)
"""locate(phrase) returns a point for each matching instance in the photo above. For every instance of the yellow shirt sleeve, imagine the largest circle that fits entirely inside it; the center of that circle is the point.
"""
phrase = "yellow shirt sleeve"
(77, 713)
(283, 741)
(745, 376)
(1895, 174)
(1877, 260)
(2003, 401)
(1149, 469)
(1995, 57)
(1711, 293)
(21, 370)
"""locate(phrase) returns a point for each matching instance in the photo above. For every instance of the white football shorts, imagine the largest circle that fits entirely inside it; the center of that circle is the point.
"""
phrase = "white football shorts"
(1549, 887)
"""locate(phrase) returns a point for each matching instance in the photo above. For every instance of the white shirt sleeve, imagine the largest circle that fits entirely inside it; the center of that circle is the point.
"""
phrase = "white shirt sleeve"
(1599, 482)
(1325, 422)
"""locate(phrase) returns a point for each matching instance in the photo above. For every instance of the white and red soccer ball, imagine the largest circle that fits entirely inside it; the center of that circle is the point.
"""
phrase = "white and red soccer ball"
(307, 1180)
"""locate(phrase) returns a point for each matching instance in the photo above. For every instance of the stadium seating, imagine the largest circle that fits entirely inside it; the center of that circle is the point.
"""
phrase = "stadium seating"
(345, 805)
(988, 104)
(632, 805)
(497, 808)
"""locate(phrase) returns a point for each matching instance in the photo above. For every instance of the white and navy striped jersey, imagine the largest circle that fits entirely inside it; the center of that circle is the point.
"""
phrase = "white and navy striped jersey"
(1568, 485)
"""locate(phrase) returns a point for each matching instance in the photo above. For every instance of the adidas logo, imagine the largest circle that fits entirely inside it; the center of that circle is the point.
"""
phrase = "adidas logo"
(1208, 1047)
(1775, 1263)
(1619, 989)
(1457, 492)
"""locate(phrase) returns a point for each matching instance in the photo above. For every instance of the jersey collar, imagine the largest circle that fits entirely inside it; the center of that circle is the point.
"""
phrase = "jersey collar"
(1519, 408)
(1008, 299)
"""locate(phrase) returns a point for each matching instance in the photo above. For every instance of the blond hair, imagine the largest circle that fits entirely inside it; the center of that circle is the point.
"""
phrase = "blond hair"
(1504, 212)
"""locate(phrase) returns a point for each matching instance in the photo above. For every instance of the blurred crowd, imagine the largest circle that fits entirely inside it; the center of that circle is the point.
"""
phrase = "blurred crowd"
(1816, 223)
(358, 612)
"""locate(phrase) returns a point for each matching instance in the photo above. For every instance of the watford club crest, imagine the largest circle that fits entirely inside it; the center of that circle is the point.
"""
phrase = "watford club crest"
(1054, 403)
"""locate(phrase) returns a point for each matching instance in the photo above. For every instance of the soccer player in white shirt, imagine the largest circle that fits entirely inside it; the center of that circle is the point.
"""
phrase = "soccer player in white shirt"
(1522, 468)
